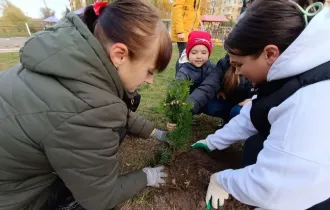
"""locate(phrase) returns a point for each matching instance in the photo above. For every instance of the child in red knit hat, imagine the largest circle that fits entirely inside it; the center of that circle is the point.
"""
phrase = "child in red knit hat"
(199, 47)
(195, 65)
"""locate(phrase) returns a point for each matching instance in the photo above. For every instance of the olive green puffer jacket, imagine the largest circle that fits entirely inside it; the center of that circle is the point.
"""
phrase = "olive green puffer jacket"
(60, 112)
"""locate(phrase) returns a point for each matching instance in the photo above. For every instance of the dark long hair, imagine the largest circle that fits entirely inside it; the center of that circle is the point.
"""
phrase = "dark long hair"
(276, 22)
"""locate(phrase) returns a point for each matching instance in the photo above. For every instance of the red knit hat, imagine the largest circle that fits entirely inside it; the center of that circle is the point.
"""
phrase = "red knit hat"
(199, 38)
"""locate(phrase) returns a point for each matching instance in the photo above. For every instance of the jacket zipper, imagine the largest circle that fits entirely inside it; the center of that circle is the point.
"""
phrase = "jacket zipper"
(184, 11)
(202, 73)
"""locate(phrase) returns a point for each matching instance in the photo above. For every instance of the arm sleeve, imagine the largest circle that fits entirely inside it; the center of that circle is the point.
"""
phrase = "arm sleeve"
(83, 152)
(182, 73)
(206, 91)
(138, 126)
(177, 10)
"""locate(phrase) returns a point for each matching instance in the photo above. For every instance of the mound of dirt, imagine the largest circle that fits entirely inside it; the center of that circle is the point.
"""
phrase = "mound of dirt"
(188, 180)
(189, 172)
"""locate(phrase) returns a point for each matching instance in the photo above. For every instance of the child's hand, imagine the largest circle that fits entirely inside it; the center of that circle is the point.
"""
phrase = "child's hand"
(170, 126)
(181, 36)
(221, 95)
(245, 101)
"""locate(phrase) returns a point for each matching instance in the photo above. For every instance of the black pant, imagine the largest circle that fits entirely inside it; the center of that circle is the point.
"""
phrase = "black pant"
(61, 197)
(252, 147)
(181, 47)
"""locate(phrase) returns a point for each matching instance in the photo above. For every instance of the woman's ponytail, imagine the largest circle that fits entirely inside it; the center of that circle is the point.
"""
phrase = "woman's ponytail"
(89, 17)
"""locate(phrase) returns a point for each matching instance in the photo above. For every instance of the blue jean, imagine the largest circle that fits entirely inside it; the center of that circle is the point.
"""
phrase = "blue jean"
(221, 108)
(234, 111)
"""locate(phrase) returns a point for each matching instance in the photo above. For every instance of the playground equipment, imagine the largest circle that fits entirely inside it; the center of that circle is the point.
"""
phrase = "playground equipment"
(217, 27)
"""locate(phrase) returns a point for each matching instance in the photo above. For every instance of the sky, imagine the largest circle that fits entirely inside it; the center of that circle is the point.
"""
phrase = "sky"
(31, 8)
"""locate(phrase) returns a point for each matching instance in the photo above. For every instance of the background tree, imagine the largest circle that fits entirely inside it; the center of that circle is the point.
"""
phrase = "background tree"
(13, 18)
(205, 7)
(46, 12)
(12, 22)
(11, 13)
(164, 7)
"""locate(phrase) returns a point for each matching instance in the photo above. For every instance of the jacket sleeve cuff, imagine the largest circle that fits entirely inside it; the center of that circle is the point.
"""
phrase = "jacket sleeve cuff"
(139, 127)
(147, 129)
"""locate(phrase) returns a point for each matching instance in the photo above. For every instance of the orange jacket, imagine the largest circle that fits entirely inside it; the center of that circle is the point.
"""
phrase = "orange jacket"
(185, 18)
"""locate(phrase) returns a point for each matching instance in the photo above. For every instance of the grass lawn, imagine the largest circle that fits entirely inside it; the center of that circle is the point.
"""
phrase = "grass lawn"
(7, 60)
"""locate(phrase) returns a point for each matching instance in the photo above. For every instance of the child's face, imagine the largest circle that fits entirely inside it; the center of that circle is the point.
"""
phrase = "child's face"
(198, 55)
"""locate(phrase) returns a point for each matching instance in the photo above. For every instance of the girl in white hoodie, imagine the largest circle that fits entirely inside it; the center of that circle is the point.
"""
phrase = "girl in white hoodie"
(280, 48)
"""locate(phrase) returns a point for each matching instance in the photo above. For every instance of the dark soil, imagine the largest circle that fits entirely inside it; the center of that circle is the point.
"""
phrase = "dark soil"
(188, 180)
(189, 172)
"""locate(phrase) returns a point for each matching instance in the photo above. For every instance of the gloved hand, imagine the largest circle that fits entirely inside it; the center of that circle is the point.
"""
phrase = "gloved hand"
(155, 176)
(159, 134)
(201, 144)
(215, 194)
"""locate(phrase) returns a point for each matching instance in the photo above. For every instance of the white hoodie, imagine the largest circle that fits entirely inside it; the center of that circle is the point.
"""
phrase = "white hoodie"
(293, 169)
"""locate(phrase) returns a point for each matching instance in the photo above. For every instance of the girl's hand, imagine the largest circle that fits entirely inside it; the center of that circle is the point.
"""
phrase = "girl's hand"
(245, 101)
(221, 95)
(170, 126)
(181, 36)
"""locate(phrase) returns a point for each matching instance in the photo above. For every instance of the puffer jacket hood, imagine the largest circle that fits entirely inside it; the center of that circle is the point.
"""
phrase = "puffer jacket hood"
(62, 112)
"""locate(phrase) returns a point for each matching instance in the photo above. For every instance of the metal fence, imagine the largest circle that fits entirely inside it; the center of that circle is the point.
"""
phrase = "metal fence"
(218, 31)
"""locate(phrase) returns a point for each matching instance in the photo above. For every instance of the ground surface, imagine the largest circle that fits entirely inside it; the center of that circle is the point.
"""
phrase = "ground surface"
(12, 42)
(189, 171)
(7, 60)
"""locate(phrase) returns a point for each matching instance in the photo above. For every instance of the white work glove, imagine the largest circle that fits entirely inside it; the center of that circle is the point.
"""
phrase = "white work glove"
(155, 176)
(159, 134)
(215, 194)
(201, 144)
